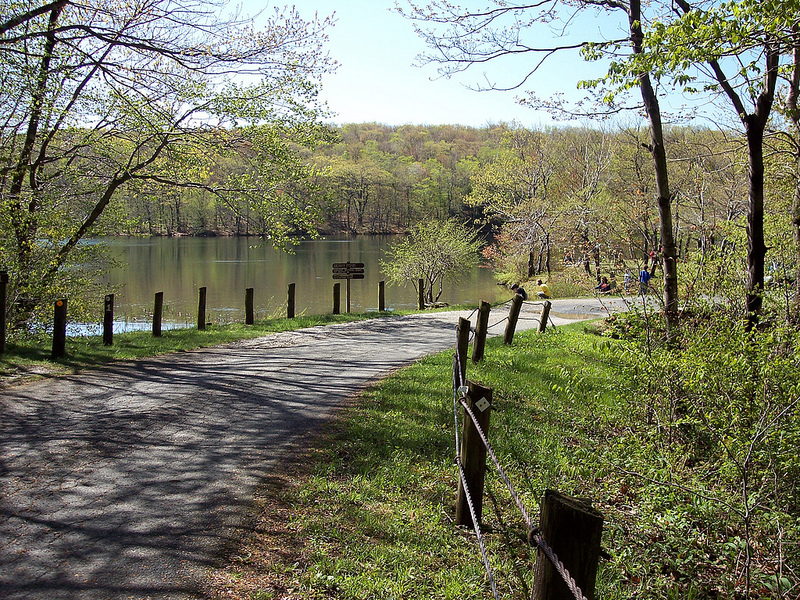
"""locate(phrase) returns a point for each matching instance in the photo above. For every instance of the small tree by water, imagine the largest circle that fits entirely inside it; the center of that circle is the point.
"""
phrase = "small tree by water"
(433, 251)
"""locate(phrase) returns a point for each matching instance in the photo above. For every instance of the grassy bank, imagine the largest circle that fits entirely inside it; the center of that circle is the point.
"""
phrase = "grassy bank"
(368, 511)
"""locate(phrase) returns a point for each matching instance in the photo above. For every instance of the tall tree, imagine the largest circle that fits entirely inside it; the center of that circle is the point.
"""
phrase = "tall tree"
(460, 37)
(101, 94)
(735, 49)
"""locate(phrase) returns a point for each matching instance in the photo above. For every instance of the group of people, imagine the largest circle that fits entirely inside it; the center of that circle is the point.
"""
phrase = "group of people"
(604, 286)
(543, 292)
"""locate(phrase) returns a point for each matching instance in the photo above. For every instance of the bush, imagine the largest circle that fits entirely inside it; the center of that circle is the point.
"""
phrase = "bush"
(721, 425)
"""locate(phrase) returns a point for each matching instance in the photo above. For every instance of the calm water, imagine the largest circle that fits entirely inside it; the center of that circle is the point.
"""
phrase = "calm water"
(227, 266)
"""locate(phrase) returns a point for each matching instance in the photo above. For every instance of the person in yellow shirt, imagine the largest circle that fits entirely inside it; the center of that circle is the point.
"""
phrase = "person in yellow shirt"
(544, 291)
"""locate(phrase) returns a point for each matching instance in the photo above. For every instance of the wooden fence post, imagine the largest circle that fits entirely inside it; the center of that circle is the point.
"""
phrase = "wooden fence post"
(513, 316)
(201, 309)
(421, 294)
(158, 311)
(481, 328)
(381, 296)
(248, 306)
(108, 320)
(572, 528)
(473, 454)
(3, 306)
(290, 301)
(545, 316)
(462, 343)
(337, 298)
(59, 329)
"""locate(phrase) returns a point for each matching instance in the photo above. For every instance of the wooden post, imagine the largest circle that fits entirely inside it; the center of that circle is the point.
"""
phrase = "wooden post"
(337, 298)
(572, 528)
(3, 306)
(545, 316)
(108, 320)
(513, 316)
(158, 311)
(381, 296)
(290, 302)
(421, 295)
(473, 454)
(201, 310)
(348, 294)
(248, 306)
(481, 329)
(462, 343)
(59, 329)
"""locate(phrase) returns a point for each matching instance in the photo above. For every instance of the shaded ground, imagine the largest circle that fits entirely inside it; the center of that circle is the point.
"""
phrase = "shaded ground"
(131, 481)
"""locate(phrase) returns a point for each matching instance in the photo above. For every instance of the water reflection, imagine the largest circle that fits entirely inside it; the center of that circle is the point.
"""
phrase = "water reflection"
(227, 266)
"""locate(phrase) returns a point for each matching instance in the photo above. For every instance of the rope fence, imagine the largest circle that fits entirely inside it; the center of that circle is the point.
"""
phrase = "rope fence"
(475, 424)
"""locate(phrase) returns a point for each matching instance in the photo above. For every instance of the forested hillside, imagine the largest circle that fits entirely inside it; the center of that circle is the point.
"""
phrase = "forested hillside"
(579, 192)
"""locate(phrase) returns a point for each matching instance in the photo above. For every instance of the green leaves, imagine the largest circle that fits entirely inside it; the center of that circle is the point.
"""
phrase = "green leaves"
(433, 251)
(107, 97)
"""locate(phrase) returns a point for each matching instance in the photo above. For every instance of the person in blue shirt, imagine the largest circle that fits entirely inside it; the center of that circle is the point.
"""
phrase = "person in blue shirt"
(644, 280)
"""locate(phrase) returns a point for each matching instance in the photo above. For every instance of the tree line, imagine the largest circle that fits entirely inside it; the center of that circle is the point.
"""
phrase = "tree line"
(581, 193)
(137, 119)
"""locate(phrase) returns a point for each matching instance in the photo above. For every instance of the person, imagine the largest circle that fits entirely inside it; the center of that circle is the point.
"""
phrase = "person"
(519, 291)
(628, 279)
(544, 291)
(604, 287)
(644, 280)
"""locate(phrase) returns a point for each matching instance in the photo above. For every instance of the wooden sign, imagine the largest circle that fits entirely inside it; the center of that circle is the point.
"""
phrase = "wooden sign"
(348, 270)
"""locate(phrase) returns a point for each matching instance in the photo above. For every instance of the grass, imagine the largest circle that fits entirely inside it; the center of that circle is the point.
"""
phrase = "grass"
(371, 508)
(29, 358)
(367, 512)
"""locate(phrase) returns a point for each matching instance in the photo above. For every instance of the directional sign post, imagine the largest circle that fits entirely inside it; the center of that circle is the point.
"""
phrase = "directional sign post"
(348, 271)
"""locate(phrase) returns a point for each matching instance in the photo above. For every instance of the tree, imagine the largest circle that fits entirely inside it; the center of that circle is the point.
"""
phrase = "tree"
(101, 95)
(433, 251)
(736, 48)
(471, 37)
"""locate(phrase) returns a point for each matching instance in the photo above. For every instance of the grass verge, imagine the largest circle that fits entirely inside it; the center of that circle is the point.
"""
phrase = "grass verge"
(369, 511)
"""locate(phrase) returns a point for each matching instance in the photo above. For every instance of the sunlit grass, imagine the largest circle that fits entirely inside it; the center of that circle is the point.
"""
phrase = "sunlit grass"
(375, 509)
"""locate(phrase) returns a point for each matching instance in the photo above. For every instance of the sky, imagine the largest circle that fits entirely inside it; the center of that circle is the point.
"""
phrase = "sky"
(378, 82)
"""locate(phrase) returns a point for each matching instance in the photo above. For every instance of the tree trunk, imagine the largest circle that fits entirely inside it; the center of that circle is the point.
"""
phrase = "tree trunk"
(659, 154)
(756, 248)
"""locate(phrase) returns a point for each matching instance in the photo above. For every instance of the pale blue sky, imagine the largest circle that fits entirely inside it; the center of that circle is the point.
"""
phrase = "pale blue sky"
(378, 82)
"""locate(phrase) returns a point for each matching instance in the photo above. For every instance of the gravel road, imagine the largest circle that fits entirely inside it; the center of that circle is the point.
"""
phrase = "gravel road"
(129, 481)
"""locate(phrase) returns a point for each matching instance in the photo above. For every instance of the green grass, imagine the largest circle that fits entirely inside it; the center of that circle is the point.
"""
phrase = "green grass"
(371, 509)
(376, 510)
(29, 357)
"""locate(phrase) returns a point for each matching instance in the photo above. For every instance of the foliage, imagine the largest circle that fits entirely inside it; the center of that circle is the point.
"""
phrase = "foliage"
(432, 252)
(106, 97)
(721, 406)
(570, 412)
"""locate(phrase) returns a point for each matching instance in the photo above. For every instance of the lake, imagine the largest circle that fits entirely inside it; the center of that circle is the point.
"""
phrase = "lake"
(226, 266)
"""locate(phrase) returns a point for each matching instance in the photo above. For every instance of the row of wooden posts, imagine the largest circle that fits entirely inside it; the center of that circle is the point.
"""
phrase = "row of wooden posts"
(571, 527)
(60, 312)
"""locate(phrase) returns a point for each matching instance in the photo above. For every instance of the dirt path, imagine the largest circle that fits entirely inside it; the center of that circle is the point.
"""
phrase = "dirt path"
(127, 482)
